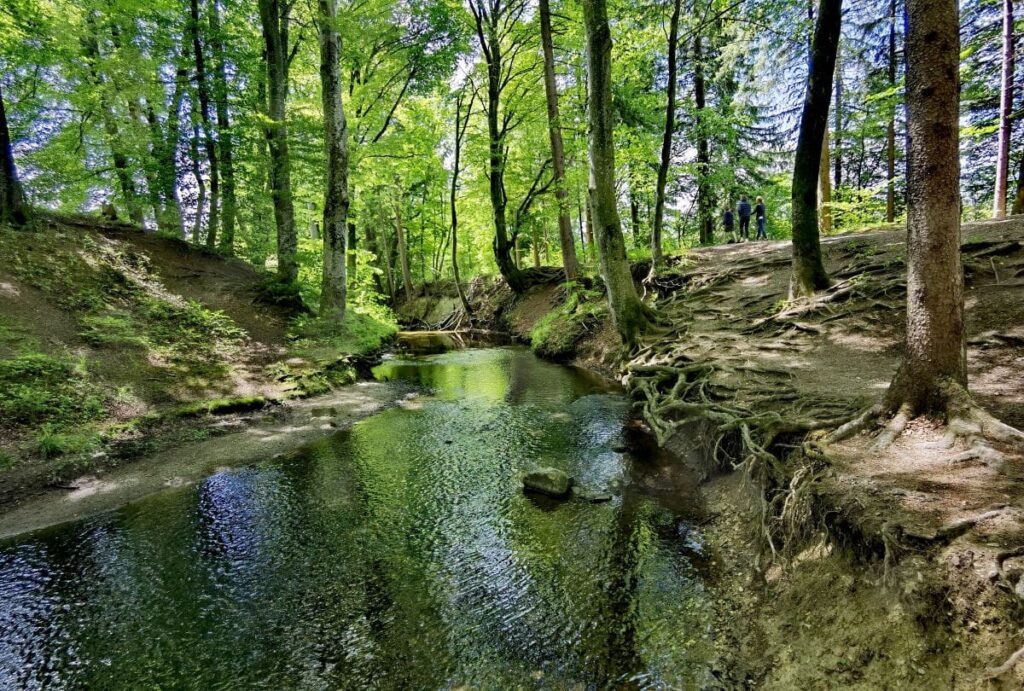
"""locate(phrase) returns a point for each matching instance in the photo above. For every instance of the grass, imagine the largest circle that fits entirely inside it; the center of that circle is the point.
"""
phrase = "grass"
(558, 331)
(37, 388)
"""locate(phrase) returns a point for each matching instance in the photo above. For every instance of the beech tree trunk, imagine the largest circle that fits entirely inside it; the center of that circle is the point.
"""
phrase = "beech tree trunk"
(666, 139)
(1005, 114)
(13, 210)
(935, 355)
(274, 19)
(890, 136)
(628, 313)
(333, 282)
(825, 187)
(705, 205)
(565, 239)
(403, 250)
(1018, 200)
(209, 143)
(808, 270)
(165, 156)
(461, 123)
(225, 137)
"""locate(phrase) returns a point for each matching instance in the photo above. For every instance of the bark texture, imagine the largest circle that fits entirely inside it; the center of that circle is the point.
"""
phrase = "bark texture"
(225, 137)
(890, 135)
(705, 203)
(809, 273)
(935, 356)
(209, 142)
(333, 281)
(274, 18)
(666, 140)
(12, 202)
(1005, 114)
(460, 132)
(565, 238)
(628, 313)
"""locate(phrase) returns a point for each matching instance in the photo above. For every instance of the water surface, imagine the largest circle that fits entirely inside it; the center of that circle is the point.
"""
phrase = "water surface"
(400, 553)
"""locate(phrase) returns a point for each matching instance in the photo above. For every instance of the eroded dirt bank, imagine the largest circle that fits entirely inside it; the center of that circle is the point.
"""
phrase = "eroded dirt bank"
(844, 566)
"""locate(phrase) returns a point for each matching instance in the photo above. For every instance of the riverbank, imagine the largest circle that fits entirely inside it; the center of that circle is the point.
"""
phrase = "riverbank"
(117, 343)
(863, 568)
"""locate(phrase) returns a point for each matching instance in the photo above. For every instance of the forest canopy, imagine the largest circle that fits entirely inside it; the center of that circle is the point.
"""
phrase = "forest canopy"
(173, 115)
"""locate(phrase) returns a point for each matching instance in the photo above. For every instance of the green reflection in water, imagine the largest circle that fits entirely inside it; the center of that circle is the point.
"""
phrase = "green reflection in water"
(398, 554)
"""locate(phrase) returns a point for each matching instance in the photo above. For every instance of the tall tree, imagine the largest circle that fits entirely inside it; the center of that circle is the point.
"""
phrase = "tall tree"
(808, 270)
(333, 281)
(461, 123)
(209, 141)
(557, 149)
(495, 22)
(630, 315)
(225, 136)
(705, 204)
(13, 210)
(935, 359)
(275, 17)
(890, 132)
(666, 139)
(1005, 114)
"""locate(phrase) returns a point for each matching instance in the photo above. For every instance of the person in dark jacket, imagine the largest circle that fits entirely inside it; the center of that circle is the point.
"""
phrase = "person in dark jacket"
(759, 215)
(744, 213)
(728, 224)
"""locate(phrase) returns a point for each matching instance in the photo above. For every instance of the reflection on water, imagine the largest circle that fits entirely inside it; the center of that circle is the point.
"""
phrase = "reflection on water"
(397, 554)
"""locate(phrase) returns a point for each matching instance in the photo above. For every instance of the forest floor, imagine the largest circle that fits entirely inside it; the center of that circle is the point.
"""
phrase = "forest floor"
(895, 568)
(116, 343)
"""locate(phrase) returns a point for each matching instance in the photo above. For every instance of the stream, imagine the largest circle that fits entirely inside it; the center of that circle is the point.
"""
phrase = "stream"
(399, 553)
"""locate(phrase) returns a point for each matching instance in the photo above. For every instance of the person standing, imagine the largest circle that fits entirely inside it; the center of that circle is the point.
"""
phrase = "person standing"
(759, 216)
(744, 214)
(728, 224)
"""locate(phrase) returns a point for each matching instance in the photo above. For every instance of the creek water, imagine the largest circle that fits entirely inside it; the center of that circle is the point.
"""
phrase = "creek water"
(400, 553)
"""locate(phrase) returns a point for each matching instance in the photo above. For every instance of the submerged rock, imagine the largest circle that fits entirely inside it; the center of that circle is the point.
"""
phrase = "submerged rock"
(594, 496)
(550, 481)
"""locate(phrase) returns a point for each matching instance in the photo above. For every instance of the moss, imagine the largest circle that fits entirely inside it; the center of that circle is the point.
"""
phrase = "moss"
(556, 334)
(220, 406)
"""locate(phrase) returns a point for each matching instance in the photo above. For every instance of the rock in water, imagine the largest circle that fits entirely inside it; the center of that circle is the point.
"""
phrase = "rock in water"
(550, 481)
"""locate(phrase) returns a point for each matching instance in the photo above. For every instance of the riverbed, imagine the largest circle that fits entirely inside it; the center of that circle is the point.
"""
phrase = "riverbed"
(398, 553)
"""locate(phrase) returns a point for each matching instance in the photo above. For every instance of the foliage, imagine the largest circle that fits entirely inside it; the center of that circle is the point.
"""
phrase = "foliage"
(36, 388)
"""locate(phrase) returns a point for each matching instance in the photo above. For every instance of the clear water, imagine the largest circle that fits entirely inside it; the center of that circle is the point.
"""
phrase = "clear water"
(401, 553)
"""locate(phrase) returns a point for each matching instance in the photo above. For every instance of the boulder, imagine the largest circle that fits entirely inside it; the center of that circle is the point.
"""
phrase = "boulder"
(550, 481)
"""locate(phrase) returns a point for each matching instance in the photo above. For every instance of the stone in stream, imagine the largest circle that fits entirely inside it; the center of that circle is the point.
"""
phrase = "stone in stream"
(550, 481)
(594, 496)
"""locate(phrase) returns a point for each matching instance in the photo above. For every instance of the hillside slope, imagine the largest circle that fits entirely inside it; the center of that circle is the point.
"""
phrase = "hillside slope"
(110, 337)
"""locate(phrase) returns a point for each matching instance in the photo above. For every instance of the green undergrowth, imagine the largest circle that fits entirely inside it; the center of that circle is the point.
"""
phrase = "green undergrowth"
(325, 354)
(557, 333)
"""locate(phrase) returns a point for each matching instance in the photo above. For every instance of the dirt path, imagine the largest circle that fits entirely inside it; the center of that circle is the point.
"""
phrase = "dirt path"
(900, 566)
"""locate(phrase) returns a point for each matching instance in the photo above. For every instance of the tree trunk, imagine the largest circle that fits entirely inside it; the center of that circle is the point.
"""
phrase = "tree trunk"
(837, 148)
(935, 355)
(333, 283)
(274, 19)
(225, 137)
(13, 210)
(460, 132)
(197, 173)
(1005, 114)
(825, 188)
(122, 170)
(209, 143)
(666, 139)
(628, 313)
(705, 205)
(808, 271)
(403, 251)
(572, 268)
(890, 136)
(165, 154)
